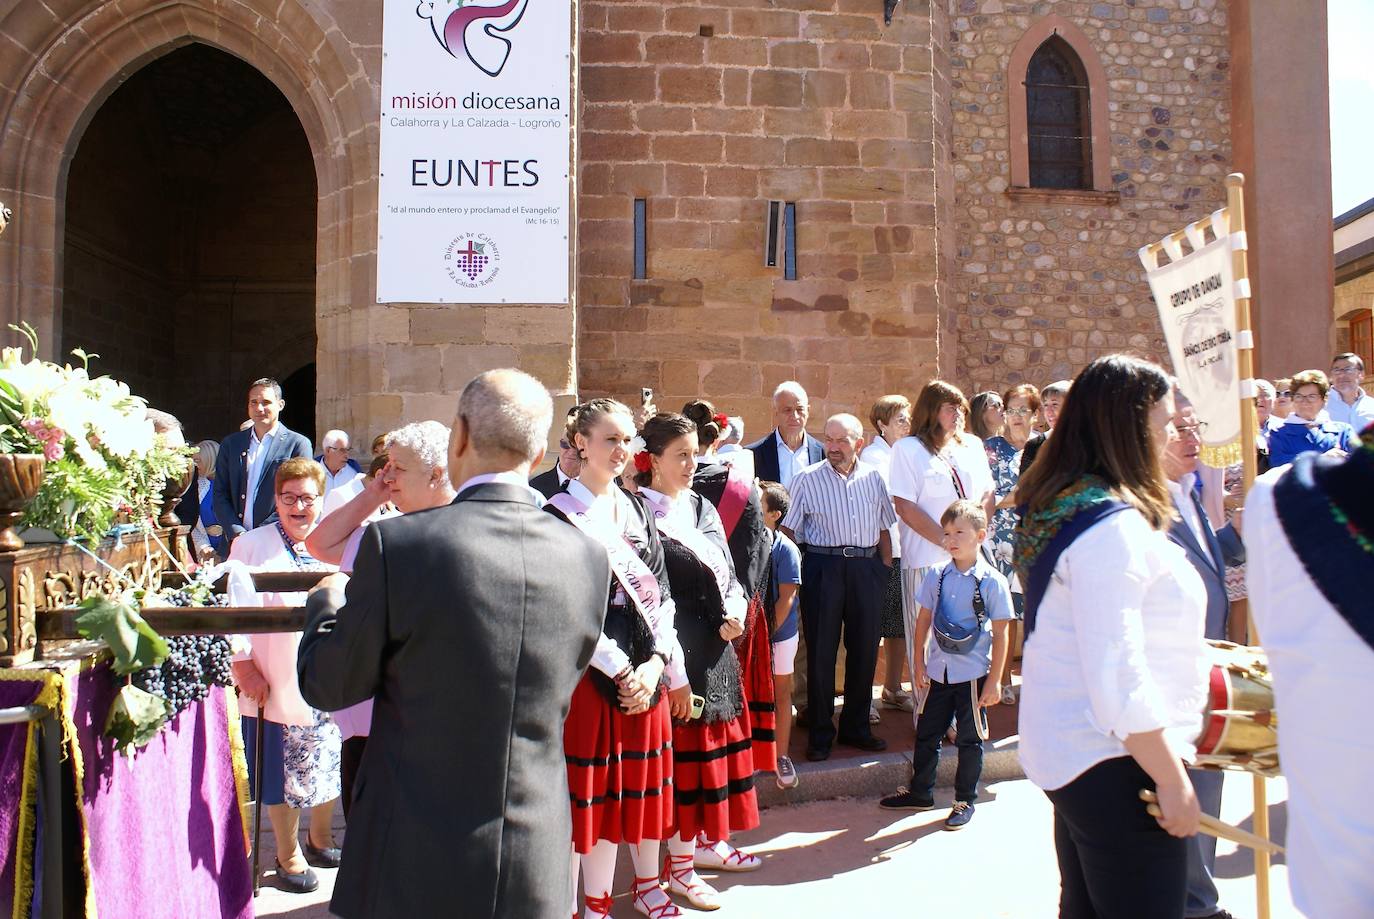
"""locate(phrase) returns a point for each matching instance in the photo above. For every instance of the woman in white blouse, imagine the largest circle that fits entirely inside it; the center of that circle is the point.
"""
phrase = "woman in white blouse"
(1114, 672)
(930, 470)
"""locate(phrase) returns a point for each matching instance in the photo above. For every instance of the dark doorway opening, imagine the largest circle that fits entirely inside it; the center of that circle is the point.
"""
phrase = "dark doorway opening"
(189, 262)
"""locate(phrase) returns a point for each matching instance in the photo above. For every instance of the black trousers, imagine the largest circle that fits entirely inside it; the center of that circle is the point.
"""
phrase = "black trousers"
(1115, 860)
(946, 702)
(841, 595)
(349, 761)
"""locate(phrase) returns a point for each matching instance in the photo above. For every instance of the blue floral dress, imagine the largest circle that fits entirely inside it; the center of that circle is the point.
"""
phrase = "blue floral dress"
(1005, 461)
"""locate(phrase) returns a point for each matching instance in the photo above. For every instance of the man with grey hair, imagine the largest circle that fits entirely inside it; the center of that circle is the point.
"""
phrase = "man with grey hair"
(339, 467)
(788, 448)
(840, 515)
(471, 625)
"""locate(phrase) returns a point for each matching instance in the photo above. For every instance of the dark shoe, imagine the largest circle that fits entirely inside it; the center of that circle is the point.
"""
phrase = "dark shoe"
(869, 743)
(322, 858)
(960, 816)
(305, 882)
(817, 754)
(803, 719)
(904, 800)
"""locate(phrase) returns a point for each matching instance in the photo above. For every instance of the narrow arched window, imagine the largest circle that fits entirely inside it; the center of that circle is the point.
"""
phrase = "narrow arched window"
(1058, 126)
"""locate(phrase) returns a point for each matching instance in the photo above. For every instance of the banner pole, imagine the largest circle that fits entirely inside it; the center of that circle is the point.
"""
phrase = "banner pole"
(1235, 207)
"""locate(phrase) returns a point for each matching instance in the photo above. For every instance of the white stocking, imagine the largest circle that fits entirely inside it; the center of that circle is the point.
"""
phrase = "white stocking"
(573, 871)
(598, 873)
(645, 858)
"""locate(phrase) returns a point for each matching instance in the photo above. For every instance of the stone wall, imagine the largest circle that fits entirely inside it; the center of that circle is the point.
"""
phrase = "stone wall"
(1043, 286)
(709, 113)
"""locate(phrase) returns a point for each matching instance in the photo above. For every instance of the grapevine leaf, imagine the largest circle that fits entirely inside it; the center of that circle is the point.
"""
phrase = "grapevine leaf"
(134, 643)
(135, 718)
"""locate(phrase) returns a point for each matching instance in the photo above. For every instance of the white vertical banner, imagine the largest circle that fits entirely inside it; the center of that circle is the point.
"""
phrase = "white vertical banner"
(472, 193)
(1196, 298)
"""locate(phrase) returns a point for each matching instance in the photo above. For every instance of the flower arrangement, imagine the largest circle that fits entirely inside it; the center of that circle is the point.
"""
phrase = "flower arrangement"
(103, 457)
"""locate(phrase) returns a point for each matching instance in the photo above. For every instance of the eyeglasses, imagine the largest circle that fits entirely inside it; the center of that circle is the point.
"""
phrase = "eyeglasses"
(1020, 412)
(564, 445)
(1308, 397)
(1336, 370)
(1191, 430)
(1283, 394)
(290, 500)
(335, 449)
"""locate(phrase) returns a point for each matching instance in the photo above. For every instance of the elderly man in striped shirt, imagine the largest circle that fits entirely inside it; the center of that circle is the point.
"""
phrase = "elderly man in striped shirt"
(840, 516)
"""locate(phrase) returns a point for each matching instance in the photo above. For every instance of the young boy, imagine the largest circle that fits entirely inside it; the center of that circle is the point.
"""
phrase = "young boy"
(967, 603)
(783, 590)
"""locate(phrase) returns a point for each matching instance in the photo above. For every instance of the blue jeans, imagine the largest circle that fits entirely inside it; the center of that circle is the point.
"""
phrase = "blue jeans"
(946, 702)
(1202, 849)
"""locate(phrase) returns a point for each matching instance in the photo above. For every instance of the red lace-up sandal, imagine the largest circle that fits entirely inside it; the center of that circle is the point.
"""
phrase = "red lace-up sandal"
(683, 881)
(647, 904)
(597, 907)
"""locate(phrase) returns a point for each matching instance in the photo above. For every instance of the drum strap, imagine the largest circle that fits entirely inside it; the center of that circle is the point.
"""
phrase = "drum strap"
(1038, 579)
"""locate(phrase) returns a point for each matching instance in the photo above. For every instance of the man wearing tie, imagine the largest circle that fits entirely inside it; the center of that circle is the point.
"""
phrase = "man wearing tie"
(247, 463)
(1210, 552)
(787, 449)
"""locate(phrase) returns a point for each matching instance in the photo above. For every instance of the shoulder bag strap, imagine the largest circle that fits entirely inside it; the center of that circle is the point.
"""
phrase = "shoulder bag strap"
(1038, 578)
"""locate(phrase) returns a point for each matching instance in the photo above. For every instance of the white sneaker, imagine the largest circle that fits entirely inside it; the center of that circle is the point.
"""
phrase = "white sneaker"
(787, 773)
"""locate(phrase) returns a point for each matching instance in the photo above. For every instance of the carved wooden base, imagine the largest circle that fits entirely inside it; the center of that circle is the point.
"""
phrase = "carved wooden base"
(40, 579)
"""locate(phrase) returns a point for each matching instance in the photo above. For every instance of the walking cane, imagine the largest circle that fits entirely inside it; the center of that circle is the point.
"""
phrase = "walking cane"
(257, 795)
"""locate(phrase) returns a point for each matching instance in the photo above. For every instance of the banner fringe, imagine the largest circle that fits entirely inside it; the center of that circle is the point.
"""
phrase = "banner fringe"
(1219, 457)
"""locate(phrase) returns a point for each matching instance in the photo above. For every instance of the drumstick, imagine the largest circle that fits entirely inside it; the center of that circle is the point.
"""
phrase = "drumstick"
(1214, 827)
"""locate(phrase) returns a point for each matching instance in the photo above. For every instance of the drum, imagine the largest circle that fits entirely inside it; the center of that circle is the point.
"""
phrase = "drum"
(1240, 728)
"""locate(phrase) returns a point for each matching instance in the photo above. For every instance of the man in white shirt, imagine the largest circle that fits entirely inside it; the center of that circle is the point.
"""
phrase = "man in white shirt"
(1309, 573)
(788, 449)
(1347, 401)
(1209, 553)
(339, 468)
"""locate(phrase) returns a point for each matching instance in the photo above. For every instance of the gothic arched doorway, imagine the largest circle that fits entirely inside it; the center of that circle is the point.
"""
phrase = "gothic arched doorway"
(190, 240)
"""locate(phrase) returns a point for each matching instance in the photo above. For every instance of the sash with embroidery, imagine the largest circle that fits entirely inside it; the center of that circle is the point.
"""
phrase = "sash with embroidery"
(633, 576)
(707, 552)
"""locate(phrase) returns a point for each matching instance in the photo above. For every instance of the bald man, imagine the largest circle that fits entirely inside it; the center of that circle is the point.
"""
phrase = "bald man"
(471, 624)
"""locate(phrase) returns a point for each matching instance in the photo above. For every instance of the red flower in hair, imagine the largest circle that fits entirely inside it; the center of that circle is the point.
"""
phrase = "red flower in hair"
(642, 462)
(720, 419)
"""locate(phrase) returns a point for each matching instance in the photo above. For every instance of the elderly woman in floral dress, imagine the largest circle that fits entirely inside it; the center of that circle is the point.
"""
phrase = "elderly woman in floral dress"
(301, 746)
(1020, 406)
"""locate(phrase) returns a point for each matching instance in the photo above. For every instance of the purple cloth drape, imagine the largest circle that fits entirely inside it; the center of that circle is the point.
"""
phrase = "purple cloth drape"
(14, 752)
(165, 829)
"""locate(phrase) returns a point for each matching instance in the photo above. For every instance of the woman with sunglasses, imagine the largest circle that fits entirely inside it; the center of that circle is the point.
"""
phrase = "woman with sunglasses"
(1309, 428)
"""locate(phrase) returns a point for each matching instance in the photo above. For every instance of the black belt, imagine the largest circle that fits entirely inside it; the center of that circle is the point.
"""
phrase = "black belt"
(845, 551)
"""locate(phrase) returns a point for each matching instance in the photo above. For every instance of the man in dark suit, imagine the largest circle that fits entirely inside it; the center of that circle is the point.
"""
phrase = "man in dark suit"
(246, 467)
(471, 624)
(788, 449)
(1209, 552)
(550, 482)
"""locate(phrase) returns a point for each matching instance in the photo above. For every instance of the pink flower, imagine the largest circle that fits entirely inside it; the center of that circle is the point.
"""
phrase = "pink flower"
(53, 451)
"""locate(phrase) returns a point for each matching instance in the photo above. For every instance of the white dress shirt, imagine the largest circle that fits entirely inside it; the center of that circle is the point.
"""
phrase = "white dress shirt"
(257, 454)
(613, 510)
(1117, 650)
(1319, 664)
(790, 461)
(927, 480)
(1183, 501)
(333, 480)
(1358, 414)
(878, 454)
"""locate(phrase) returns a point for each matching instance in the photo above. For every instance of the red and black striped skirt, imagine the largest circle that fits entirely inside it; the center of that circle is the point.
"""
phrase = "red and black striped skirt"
(714, 779)
(620, 770)
(755, 651)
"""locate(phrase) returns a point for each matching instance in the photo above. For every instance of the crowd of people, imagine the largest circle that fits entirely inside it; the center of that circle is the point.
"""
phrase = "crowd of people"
(652, 605)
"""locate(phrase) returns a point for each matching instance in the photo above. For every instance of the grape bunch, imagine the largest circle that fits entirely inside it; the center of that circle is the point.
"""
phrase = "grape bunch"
(185, 598)
(194, 663)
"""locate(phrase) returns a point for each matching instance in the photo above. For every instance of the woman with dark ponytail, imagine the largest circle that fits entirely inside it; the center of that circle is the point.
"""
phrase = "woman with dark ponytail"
(731, 488)
(713, 761)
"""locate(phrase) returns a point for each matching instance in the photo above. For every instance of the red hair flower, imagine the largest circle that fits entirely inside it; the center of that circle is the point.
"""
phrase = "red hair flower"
(643, 462)
(720, 420)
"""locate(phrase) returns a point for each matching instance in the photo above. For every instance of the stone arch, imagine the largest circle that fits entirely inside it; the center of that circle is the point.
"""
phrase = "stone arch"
(85, 49)
(1033, 38)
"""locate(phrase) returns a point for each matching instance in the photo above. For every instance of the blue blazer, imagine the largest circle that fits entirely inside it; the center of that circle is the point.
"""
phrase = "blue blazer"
(766, 455)
(231, 477)
(1223, 548)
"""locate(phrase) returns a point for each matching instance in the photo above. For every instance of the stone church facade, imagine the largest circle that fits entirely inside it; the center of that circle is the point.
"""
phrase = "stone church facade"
(194, 183)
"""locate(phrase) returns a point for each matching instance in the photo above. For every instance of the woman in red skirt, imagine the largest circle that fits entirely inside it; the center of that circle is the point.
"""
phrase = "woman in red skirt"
(618, 736)
(712, 755)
